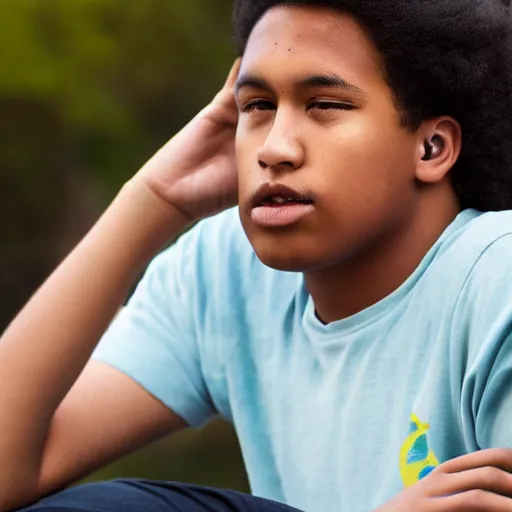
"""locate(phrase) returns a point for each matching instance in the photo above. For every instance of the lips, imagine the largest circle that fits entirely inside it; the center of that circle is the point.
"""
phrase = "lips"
(278, 206)
(279, 195)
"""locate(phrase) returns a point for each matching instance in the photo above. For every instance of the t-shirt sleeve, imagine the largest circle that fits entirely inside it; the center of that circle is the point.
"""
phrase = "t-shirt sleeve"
(152, 339)
(487, 310)
(494, 416)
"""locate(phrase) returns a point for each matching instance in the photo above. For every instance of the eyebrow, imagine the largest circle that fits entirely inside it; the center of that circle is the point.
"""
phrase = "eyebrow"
(327, 81)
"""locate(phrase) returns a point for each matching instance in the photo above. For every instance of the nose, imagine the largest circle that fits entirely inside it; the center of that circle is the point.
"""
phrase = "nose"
(282, 149)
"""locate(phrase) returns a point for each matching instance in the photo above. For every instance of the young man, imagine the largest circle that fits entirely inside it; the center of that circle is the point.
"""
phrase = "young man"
(352, 317)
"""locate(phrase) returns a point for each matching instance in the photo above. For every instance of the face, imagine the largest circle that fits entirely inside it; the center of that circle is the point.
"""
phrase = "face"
(326, 171)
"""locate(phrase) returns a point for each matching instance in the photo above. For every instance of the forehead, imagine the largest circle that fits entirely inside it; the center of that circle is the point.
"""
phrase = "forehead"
(306, 39)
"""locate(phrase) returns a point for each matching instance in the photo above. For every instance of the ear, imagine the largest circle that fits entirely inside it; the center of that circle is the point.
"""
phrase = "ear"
(444, 134)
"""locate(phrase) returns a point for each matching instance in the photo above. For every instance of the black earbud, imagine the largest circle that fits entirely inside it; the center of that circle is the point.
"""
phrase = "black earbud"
(429, 150)
(433, 148)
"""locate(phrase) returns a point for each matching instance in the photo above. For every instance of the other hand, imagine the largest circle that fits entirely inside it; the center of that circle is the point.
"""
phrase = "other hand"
(479, 481)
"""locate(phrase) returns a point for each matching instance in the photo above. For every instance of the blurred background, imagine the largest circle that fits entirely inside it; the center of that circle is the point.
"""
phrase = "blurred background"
(89, 90)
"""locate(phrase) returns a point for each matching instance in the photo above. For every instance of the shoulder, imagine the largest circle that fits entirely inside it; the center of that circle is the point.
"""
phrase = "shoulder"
(216, 261)
(485, 244)
(219, 245)
(483, 313)
(217, 238)
(468, 281)
(489, 281)
(482, 320)
(475, 244)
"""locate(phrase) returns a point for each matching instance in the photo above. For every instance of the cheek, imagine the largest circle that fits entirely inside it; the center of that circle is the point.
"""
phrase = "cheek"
(247, 144)
(364, 166)
(244, 143)
(373, 143)
(242, 152)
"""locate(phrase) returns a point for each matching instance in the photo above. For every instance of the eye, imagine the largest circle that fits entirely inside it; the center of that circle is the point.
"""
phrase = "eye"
(330, 105)
(258, 105)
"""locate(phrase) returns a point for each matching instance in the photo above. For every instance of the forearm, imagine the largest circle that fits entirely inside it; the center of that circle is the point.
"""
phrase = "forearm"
(47, 345)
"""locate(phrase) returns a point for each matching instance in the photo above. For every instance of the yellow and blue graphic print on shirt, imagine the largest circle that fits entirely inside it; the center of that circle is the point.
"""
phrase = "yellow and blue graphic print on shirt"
(417, 460)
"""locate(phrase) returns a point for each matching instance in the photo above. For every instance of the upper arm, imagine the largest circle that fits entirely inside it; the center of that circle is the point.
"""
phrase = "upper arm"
(105, 415)
(493, 416)
(147, 365)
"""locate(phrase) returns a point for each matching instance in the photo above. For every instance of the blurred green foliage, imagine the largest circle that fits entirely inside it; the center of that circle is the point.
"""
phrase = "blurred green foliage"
(122, 74)
(89, 89)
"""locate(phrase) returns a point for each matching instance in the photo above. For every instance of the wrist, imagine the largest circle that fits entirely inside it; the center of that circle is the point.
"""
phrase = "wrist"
(162, 219)
(139, 222)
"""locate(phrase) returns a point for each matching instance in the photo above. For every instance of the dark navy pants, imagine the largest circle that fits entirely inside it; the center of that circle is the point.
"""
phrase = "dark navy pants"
(148, 496)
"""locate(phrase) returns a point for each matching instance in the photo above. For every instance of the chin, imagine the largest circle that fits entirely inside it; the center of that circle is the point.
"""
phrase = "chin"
(298, 248)
(285, 256)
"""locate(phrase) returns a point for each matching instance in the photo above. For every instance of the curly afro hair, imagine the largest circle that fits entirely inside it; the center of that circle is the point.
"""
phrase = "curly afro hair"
(441, 57)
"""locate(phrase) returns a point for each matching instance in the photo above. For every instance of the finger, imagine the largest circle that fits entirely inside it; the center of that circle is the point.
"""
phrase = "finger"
(475, 501)
(487, 479)
(225, 98)
(498, 457)
(233, 74)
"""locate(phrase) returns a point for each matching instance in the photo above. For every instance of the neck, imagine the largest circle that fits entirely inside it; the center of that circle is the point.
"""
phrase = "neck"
(353, 285)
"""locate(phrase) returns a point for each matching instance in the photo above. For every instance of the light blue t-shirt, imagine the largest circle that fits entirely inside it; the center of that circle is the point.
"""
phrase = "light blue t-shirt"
(335, 417)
